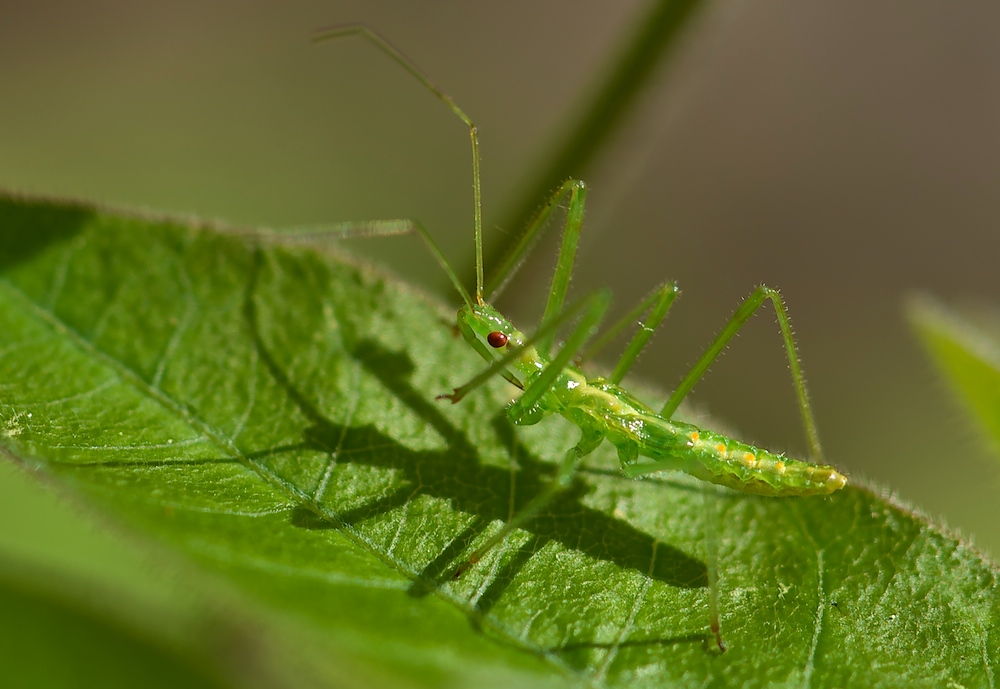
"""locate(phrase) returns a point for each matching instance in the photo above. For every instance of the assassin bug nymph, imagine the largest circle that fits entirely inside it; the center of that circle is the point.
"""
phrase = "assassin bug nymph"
(647, 441)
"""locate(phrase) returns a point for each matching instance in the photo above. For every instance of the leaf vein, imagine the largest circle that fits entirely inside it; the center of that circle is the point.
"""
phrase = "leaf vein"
(818, 627)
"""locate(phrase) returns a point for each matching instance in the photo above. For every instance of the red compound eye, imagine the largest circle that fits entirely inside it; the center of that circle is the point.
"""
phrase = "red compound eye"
(496, 339)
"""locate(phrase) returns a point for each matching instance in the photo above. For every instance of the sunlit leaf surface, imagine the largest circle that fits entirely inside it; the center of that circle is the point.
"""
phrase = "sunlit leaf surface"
(268, 414)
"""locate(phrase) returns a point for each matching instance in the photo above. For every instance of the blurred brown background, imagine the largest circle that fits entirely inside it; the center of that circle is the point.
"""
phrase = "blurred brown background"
(845, 152)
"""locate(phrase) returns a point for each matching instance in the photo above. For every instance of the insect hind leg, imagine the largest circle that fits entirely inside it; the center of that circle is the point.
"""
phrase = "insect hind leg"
(747, 309)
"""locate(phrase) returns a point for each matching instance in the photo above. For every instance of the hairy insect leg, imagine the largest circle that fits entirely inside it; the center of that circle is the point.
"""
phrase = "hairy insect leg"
(738, 320)
(598, 300)
(596, 305)
(563, 478)
(711, 524)
(577, 192)
(567, 252)
(655, 305)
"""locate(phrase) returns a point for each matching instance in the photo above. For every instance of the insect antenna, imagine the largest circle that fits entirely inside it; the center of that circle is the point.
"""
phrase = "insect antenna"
(344, 30)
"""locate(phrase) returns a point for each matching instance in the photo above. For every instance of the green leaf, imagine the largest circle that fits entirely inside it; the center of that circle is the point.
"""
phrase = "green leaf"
(267, 414)
(967, 351)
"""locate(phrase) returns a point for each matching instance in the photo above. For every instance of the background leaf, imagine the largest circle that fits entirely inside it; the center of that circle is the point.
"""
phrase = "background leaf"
(967, 352)
(267, 414)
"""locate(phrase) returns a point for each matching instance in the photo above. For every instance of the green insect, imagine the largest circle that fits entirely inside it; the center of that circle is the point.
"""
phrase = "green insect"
(647, 441)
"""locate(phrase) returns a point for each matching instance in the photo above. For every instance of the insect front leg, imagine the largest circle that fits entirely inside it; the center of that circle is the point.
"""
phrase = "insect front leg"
(738, 320)
(597, 304)
(527, 409)
(507, 267)
(577, 192)
(594, 307)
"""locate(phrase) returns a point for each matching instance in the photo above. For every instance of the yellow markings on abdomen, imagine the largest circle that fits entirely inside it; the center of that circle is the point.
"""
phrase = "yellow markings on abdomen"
(740, 455)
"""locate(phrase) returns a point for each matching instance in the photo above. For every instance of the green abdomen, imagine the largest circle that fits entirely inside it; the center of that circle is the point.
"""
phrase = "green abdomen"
(748, 469)
(641, 435)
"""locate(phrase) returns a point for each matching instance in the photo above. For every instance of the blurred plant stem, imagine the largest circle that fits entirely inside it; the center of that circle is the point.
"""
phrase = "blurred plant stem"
(656, 34)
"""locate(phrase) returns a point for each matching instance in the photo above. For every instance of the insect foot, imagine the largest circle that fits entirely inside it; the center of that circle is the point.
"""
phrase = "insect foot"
(453, 396)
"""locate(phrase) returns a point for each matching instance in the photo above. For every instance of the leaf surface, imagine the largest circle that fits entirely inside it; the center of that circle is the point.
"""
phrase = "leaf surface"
(267, 413)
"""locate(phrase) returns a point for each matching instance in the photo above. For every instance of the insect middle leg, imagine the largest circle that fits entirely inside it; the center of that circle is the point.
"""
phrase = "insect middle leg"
(738, 320)
(653, 307)
(563, 478)
(577, 192)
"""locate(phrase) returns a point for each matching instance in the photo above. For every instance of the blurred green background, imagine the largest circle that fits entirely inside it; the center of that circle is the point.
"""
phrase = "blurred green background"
(847, 153)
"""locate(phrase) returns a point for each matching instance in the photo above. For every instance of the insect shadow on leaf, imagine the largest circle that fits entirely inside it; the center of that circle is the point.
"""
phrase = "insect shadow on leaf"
(452, 473)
